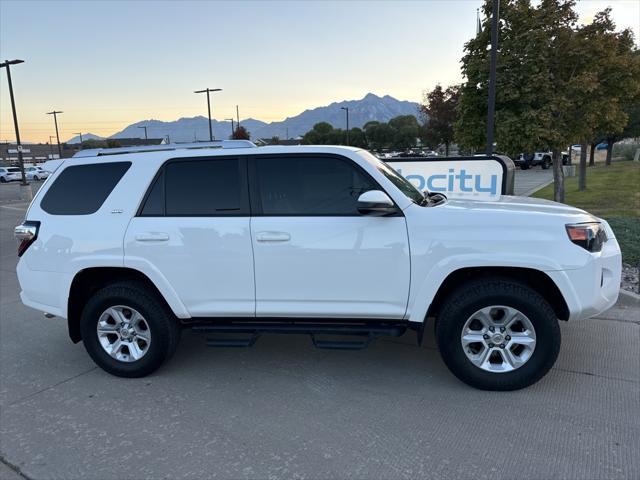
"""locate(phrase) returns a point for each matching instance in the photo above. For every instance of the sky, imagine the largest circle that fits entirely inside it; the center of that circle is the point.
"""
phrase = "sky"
(107, 64)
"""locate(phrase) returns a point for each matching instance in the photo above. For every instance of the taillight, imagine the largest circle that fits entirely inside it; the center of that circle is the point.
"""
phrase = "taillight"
(26, 234)
(590, 236)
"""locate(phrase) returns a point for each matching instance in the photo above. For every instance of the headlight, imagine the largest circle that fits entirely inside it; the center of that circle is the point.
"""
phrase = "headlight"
(590, 236)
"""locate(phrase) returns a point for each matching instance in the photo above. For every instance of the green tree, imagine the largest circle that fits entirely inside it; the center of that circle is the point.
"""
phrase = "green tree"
(541, 82)
(439, 112)
(357, 138)
(624, 92)
(318, 135)
(608, 71)
(379, 135)
(400, 132)
(406, 130)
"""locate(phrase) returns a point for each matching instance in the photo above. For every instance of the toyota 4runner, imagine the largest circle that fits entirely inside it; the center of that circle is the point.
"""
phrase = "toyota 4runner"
(132, 246)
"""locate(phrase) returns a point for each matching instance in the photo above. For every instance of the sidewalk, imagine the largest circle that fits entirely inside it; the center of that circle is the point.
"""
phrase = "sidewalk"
(530, 181)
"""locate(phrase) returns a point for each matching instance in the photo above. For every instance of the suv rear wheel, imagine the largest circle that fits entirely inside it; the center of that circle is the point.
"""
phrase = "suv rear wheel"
(498, 335)
(546, 163)
(127, 331)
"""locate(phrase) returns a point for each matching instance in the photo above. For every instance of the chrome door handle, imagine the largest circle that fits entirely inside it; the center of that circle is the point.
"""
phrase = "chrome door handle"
(273, 237)
(152, 237)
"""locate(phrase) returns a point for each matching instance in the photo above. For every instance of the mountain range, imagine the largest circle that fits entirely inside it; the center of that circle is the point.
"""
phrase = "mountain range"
(370, 107)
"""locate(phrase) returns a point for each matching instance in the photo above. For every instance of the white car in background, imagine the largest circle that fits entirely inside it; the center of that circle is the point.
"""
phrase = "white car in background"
(9, 174)
(36, 173)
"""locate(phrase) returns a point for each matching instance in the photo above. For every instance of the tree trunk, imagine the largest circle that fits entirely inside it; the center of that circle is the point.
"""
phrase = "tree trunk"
(582, 170)
(558, 177)
(609, 151)
(446, 149)
(592, 152)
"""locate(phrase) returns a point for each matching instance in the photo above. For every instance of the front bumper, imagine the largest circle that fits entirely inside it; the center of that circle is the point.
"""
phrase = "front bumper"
(594, 288)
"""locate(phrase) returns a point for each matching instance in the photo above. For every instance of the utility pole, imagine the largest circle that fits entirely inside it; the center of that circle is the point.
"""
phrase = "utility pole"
(491, 110)
(79, 133)
(287, 133)
(232, 129)
(346, 109)
(208, 90)
(145, 132)
(238, 117)
(6, 64)
(55, 121)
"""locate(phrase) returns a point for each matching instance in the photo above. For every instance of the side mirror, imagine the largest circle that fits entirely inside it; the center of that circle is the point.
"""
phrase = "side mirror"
(376, 203)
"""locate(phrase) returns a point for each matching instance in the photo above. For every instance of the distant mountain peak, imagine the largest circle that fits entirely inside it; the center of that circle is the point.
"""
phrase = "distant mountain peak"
(85, 137)
(368, 108)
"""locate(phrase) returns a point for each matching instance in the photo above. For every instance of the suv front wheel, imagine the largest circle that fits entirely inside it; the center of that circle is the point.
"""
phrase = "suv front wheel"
(127, 331)
(498, 335)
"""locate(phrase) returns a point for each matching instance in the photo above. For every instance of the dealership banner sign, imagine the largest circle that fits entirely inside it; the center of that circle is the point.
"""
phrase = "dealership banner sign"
(482, 178)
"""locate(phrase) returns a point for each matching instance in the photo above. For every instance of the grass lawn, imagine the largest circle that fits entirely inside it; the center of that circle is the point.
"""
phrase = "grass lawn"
(612, 193)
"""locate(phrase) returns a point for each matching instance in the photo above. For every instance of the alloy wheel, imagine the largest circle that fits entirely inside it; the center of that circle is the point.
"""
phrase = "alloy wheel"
(124, 333)
(498, 339)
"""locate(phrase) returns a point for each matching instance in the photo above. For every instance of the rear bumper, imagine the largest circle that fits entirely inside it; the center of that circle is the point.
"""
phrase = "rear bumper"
(44, 291)
(594, 288)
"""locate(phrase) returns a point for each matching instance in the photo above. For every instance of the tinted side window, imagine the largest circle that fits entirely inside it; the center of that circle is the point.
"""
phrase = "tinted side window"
(82, 189)
(310, 186)
(201, 188)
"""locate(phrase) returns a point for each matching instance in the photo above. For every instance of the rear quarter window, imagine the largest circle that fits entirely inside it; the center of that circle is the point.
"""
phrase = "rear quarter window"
(82, 189)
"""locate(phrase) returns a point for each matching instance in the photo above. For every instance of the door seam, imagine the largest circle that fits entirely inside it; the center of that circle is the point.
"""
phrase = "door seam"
(253, 258)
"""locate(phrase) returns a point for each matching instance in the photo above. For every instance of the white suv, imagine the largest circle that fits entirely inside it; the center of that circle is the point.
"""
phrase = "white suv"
(131, 247)
(9, 174)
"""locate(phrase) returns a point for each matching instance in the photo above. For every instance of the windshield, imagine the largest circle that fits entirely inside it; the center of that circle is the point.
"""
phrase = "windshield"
(13, 170)
(404, 185)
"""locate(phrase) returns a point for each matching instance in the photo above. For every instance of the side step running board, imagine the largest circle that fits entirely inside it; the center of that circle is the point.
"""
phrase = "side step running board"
(233, 342)
(245, 334)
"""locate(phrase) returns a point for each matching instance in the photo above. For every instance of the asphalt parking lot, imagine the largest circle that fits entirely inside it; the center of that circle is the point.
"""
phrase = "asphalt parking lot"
(286, 410)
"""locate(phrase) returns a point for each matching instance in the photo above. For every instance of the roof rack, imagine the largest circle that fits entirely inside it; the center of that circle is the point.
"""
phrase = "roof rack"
(98, 152)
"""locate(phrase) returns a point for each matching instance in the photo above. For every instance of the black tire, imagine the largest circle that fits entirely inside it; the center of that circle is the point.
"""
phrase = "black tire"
(3, 180)
(36, 178)
(470, 298)
(546, 163)
(524, 166)
(163, 326)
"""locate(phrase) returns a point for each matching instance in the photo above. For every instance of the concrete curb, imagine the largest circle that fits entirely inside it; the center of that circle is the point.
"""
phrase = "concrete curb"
(629, 298)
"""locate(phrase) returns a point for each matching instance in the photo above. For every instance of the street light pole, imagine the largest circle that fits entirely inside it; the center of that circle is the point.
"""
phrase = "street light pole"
(79, 133)
(208, 90)
(238, 117)
(346, 109)
(232, 129)
(145, 132)
(55, 121)
(6, 64)
(491, 110)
